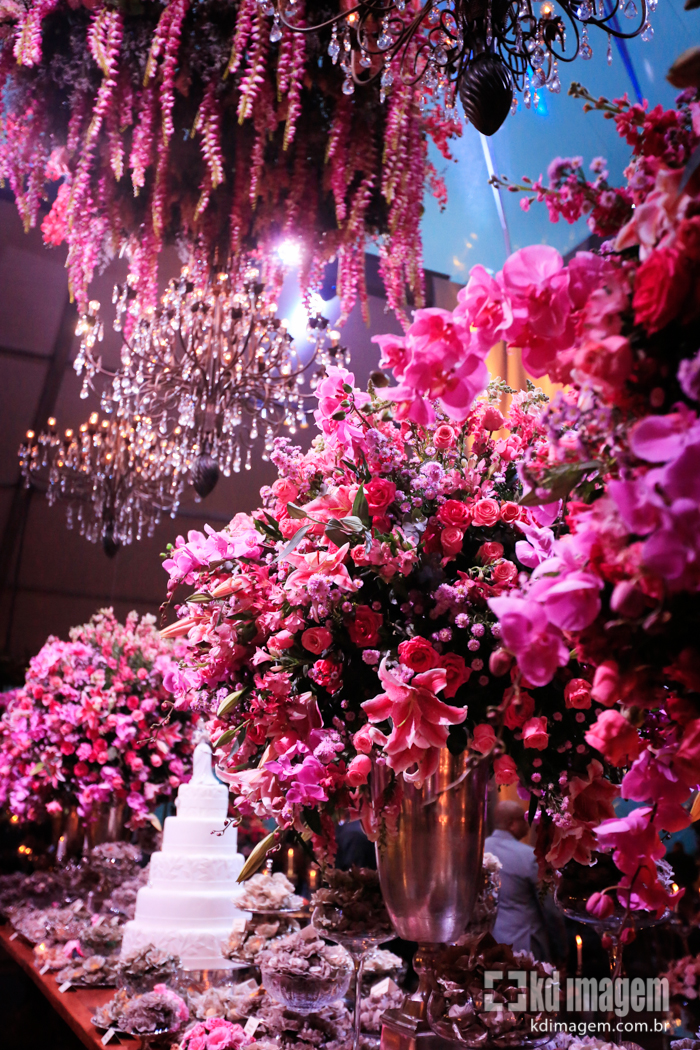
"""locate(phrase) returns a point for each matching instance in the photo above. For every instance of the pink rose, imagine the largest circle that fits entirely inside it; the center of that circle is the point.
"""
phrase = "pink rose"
(606, 683)
(379, 493)
(418, 654)
(457, 673)
(444, 436)
(505, 770)
(660, 288)
(504, 572)
(454, 512)
(364, 629)
(520, 709)
(492, 419)
(451, 540)
(535, 733)
(510, 512)
(485, 512)
(490, 551)
(280, 641)
(483, 738)
(316, 639)
(285, 490)
(615, 738)
(578, 694)
(358, 770)
(362, 740)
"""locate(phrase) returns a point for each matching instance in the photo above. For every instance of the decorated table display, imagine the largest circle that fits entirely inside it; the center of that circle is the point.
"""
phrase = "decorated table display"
(88, 728)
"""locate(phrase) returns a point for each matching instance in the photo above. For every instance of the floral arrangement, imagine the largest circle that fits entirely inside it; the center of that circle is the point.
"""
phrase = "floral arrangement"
(350, 613)
(306, 955)
(683, 976)
(89, 727)
(350, 904)
(268, 891)
(215, 1034)
(235, 1002)
(618, 587)
(159, 1011)
(214, 127)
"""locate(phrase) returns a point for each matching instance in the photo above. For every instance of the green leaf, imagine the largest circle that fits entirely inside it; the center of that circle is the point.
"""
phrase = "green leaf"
(232, 700)
(257, 857)
(360, 507)
(274, 525)
(294, 542)
(559, 482)
(199, 597)
(295, 512)
(353, 524)
(337, 536)
(226, 738)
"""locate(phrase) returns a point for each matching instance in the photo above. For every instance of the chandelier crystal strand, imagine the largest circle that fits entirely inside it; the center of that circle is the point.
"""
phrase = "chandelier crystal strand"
(116, 479)
(483, 50)
(212, 367)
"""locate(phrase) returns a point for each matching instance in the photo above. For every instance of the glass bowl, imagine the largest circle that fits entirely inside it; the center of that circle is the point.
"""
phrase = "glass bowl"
(307, 993)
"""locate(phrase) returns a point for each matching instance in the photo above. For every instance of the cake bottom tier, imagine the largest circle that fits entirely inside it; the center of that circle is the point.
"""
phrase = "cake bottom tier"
(199, 948)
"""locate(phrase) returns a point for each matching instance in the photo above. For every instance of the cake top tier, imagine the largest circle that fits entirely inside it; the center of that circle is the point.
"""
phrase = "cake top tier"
(203, 795)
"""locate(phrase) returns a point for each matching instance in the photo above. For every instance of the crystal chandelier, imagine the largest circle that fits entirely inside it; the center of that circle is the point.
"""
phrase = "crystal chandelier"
(211, 367)
(115, 479)
(481, 50)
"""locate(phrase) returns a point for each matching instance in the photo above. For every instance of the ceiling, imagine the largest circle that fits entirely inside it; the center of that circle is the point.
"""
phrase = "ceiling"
(50, 578)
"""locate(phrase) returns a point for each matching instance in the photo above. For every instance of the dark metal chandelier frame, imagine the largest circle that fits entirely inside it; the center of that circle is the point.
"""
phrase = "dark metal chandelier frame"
(444, 41)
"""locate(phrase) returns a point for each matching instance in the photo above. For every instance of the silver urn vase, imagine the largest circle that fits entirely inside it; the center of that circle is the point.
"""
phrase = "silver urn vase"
(429, 859)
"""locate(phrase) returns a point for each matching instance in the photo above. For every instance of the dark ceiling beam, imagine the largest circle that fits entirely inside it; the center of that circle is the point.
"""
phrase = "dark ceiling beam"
(15, 525)
(25, 355)
(97, 598)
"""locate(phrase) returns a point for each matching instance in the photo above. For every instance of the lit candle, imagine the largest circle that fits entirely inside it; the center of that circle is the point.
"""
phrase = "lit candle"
(579, 954)
(290, 863)
(313, 879)
(61, 849)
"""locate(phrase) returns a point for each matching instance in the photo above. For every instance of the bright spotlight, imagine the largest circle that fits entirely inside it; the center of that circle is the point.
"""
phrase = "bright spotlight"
(290, 253)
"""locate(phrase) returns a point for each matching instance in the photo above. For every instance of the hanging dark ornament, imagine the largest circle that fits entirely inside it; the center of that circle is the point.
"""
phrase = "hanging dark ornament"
(486, 91)
(110, 545)
(205, 474)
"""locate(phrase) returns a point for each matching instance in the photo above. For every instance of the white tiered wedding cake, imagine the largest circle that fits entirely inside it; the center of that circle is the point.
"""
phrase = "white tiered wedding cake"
(187, 907)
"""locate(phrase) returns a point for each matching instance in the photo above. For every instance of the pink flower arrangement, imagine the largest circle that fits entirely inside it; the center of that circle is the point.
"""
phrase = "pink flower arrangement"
(215, 1034)
(348, 618)
(89, 725)
(612, 597)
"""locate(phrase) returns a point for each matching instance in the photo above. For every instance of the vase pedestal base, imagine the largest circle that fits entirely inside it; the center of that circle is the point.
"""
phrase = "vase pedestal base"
(407, 1028)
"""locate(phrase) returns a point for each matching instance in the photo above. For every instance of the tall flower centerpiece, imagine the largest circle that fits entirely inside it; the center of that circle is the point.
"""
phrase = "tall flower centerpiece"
(213, 127)
(87, 728)
(349, 615)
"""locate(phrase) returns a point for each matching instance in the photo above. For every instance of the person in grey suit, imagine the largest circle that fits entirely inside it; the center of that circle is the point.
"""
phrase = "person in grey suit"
(521, 920)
